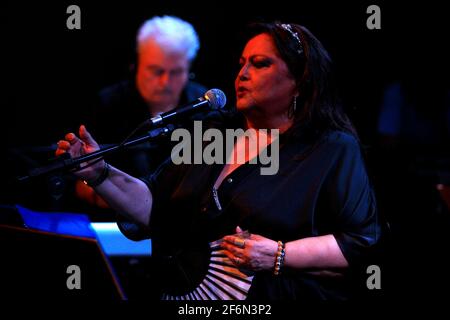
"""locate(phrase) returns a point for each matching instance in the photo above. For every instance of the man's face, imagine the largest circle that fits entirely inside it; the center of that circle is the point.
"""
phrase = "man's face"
(161, 76)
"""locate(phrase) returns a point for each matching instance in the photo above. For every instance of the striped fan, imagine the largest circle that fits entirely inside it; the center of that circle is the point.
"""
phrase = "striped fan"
(223, 280)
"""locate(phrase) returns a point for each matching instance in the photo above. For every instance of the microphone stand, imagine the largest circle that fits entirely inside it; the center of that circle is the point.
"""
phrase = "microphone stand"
(63, 163)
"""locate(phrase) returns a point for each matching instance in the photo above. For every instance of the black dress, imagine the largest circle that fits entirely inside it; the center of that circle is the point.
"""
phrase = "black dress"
(321, 188)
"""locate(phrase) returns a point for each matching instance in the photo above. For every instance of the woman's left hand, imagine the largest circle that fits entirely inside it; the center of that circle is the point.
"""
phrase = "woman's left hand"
(255, 252)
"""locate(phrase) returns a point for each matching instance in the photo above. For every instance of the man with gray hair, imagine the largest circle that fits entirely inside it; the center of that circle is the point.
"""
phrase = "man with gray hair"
(165, 49)
(166, 46)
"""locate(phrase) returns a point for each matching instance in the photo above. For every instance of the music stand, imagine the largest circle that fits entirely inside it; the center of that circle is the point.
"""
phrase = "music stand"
(36, 262)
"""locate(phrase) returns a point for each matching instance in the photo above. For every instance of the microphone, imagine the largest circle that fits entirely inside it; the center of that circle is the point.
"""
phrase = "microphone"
(213, 98)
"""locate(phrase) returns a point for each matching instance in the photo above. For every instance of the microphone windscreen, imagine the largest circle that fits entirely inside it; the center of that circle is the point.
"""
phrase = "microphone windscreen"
(216, 98)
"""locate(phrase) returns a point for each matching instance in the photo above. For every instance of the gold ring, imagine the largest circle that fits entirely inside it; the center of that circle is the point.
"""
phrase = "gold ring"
(239, 242)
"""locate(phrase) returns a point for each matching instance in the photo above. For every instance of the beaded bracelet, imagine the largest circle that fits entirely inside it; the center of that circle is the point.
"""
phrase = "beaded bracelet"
(102, 177)
(279, 258)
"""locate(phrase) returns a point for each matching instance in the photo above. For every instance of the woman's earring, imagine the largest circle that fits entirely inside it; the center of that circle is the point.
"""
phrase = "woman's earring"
(293, 108)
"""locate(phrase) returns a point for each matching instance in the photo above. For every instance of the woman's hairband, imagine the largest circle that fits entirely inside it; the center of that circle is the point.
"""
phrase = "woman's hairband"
(289, 29)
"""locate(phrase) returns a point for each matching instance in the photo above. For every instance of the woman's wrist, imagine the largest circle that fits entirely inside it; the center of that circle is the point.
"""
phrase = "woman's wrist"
(100, 178)
(279, 258)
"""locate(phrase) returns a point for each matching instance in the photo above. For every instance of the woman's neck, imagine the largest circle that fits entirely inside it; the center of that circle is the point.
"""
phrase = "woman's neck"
(281, 123)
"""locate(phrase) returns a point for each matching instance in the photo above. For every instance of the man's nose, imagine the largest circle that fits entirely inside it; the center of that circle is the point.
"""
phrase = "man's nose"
(164, 78)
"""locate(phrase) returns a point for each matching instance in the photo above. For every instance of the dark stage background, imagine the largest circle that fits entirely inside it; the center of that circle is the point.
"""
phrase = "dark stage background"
(50, 75)
(52, 72)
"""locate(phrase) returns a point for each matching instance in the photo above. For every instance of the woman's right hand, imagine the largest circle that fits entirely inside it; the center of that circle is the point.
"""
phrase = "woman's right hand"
(77, 146)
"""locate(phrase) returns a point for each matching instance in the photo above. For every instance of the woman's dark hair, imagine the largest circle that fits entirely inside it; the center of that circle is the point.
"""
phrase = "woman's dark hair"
(319, 108)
